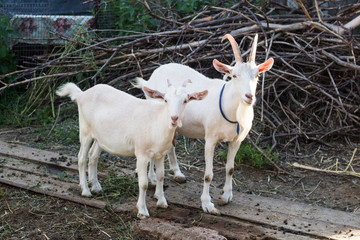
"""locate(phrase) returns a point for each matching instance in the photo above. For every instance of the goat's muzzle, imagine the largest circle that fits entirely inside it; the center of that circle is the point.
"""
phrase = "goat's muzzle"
(174, 120)
(249, 98)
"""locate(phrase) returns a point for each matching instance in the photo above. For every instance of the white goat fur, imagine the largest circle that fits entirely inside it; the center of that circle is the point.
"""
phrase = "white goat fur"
(121, 124)
(203, 120)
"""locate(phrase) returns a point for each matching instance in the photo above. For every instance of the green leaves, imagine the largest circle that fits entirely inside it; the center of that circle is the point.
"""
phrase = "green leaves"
(128, 15)
(248, 154)
(7, 60)
(191, 6)
(131, 15)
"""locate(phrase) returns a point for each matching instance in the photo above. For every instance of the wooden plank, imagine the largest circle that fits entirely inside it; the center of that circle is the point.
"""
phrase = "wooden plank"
(226, 226)
(290, 216)
(153, 228)
(38, 180)
(38, 155)
(30, 177)
(89, 202)
(46, 157)
(41, 170)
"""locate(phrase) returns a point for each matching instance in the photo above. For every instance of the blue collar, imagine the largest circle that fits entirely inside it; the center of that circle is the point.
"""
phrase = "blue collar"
(223, 114)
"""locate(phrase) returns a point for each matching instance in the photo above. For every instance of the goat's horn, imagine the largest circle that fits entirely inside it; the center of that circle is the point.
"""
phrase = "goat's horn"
(234, 46)
(186, 82)
(253, 49)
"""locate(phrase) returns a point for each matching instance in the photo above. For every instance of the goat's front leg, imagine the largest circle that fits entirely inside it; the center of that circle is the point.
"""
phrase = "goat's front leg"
(141, 168)
(174, 166)
(226, 195)
(85, 142)
(94, 154)
(159, 191)
(207, 205)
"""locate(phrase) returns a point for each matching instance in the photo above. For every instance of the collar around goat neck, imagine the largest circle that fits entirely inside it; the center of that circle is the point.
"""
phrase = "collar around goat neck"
(223, 114)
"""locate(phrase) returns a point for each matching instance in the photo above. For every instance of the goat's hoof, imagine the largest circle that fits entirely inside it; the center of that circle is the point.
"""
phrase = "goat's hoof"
(96, 189)
(142, 216)
(215, 212)
(225, 198)
(180, 179)
(97, 193)
(210, 209)
(222, 202)
(86, 194)
(162, 205)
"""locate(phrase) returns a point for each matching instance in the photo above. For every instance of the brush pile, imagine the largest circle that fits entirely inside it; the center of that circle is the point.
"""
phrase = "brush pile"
(311, 94)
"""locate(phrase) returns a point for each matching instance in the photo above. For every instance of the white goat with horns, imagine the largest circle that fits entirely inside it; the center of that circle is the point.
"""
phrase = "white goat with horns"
(121, 124)
(226, 115)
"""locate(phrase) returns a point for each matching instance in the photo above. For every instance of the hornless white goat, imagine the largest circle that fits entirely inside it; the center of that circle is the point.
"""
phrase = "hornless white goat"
(121, 124)
(226, 115)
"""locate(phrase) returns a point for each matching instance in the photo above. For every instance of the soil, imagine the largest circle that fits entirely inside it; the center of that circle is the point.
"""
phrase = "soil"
(25, 215)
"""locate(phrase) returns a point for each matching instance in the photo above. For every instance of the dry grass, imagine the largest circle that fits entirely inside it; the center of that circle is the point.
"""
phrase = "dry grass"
(25, 215)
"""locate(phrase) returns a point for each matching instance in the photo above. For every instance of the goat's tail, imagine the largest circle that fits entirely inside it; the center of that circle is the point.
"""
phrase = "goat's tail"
(139, 83)
(69, 89)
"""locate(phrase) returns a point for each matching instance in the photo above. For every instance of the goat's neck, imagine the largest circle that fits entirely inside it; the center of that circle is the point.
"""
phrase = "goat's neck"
(163, 119)
(235, 108)
(230, 101)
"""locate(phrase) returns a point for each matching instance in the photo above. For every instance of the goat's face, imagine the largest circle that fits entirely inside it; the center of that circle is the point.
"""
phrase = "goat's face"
(176, 99)
(244, 75)
(245, 78)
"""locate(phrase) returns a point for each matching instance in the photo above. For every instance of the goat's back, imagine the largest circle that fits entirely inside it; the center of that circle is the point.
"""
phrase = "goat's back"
(177, 74)
(103, 99)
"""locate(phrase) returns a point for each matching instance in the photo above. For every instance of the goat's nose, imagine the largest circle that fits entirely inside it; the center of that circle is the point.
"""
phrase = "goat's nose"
(249, 96)
(174, 118)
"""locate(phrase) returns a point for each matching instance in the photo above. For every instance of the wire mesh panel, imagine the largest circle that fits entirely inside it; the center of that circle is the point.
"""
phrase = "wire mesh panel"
(41, 25)
(13, 7)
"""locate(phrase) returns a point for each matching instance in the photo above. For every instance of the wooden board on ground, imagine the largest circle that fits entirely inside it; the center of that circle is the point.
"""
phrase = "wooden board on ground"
(56, 175)
(294, 217)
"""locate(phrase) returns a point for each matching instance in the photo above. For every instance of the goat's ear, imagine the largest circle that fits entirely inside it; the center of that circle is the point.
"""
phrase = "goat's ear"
(221, 67)
(266, 65)
(198, 95)
(153, 93)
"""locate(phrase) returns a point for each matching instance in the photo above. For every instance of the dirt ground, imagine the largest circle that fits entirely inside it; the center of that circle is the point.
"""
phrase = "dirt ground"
(25, 215)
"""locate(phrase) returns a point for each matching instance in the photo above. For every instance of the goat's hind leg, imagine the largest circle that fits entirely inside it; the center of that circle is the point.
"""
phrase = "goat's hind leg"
(159, 191)
(85, 142)
(141, 168)
(94, 154)
(174, 166)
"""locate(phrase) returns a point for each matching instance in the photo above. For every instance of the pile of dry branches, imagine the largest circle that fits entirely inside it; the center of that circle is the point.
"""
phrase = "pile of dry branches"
(311, 93)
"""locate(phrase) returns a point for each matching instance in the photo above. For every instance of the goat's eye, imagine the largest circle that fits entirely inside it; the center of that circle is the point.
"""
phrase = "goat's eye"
(165, 100)
(234, 76)
(185, 101)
